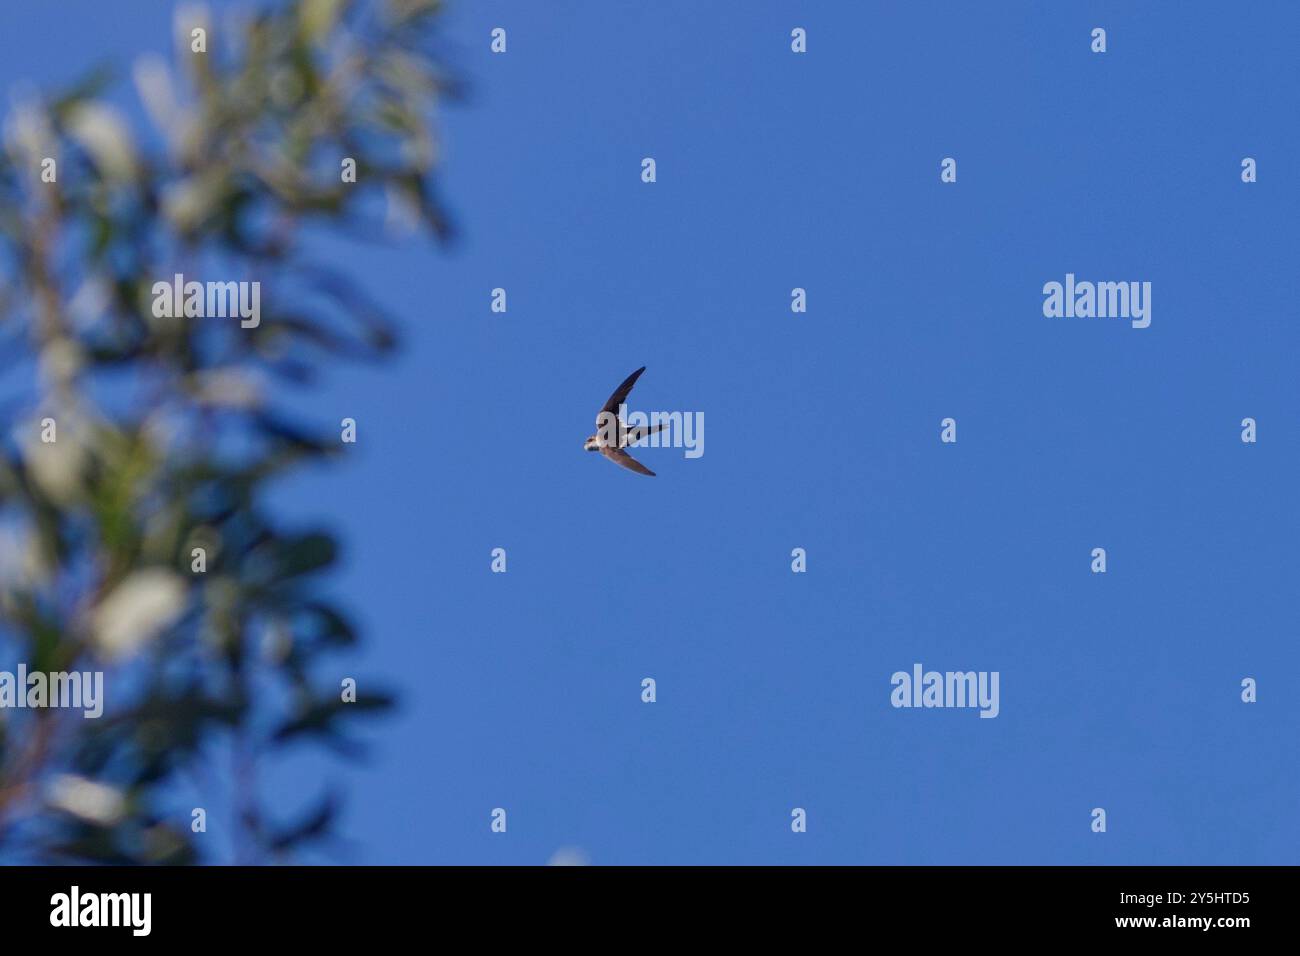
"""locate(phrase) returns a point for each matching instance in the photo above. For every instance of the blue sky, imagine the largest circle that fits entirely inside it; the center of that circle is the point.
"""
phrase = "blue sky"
(821, 171)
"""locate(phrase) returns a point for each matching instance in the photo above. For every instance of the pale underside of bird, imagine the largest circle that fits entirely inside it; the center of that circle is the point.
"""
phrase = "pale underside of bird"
(612, 434)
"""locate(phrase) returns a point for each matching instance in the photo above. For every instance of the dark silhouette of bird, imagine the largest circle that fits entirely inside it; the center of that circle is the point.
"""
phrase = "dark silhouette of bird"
(613, 435)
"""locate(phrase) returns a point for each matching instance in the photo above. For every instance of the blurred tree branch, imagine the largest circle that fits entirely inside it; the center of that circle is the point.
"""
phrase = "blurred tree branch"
(166, 437)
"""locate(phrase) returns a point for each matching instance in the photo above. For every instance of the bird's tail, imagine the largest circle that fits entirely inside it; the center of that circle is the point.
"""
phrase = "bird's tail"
(634, 435)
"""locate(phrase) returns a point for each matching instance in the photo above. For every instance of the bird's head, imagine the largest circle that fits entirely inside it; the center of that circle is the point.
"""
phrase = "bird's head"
(590, 444)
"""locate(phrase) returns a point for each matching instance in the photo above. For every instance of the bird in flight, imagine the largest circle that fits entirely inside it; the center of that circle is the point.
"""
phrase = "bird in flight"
(613, 435)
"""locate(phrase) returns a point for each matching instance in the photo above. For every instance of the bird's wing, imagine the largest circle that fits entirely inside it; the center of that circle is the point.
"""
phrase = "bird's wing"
(620, 393)
(620, 457)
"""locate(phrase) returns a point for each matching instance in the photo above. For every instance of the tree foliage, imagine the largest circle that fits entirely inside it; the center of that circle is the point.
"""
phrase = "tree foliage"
(167, 430)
